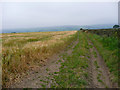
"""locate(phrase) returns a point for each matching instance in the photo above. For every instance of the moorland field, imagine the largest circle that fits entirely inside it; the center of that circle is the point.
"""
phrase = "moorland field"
(68, 59)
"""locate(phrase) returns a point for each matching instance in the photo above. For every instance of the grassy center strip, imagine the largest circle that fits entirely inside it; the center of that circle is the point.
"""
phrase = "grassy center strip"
(73, 71)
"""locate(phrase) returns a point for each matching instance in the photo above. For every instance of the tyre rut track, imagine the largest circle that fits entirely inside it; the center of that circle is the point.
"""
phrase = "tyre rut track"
(99, 73)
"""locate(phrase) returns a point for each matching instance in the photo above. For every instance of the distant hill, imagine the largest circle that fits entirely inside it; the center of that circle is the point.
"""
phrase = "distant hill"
(58, 28)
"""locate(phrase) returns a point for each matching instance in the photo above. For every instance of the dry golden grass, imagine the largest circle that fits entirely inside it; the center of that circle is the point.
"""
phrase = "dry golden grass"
(21, 51)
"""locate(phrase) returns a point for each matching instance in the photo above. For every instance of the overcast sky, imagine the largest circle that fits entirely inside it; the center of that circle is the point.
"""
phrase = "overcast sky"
(40, 14)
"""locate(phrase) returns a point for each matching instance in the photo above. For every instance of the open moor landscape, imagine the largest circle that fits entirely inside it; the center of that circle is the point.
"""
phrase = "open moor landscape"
(62, 59)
